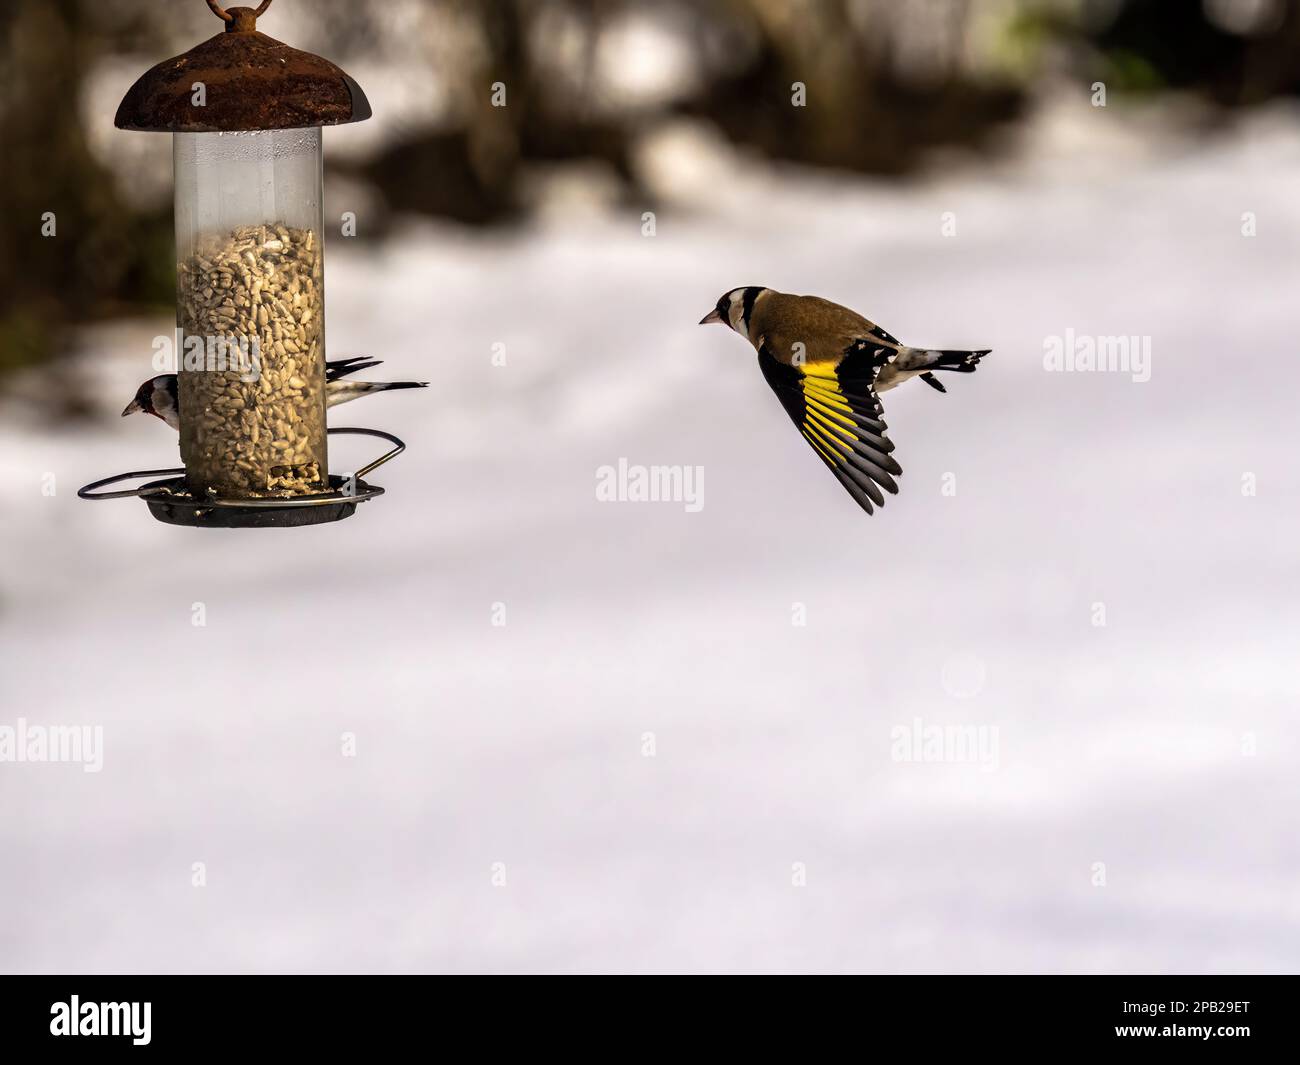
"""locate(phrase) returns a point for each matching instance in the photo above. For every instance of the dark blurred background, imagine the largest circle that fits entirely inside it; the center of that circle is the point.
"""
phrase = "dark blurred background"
(888, 84)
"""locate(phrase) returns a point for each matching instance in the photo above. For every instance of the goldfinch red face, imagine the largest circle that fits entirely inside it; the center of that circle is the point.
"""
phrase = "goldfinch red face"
(157, 396)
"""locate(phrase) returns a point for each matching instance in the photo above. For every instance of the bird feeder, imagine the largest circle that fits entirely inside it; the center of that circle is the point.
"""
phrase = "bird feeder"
(245, 113)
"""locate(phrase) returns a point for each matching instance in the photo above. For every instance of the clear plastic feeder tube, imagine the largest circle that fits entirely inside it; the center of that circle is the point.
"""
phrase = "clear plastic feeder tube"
(251, 314)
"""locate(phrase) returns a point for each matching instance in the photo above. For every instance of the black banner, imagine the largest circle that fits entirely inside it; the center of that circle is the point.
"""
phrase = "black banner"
(149, 1014)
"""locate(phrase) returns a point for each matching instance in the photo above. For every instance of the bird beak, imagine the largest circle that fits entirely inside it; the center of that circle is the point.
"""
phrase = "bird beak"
(712, 316)
(132, 408)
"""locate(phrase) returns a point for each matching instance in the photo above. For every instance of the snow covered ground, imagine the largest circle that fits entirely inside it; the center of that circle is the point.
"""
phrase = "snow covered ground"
(1133, 809)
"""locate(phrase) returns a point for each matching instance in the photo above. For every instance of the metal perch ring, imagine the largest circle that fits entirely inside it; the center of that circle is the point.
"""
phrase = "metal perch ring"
(170, 501)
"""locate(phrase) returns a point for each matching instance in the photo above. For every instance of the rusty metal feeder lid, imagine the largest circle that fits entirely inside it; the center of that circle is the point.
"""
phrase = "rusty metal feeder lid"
(251, 82)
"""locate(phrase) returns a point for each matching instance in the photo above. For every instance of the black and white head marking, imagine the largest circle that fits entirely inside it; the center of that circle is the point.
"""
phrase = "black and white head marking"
(736, 308)
(164, 398)
(157, 396)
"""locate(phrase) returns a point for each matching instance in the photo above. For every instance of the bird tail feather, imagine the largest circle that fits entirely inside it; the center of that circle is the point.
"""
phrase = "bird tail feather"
(346, 391)
(381, 386)
(957, 361)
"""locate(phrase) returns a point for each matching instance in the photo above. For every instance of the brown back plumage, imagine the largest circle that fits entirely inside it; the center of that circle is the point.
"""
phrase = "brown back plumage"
(825, 329)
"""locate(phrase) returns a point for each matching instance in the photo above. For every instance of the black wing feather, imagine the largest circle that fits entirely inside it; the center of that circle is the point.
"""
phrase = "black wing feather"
(838, 413)
(342, 367)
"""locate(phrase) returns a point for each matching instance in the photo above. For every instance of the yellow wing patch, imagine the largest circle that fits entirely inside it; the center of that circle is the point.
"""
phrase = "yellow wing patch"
(841, 422)
(826, 405)
(833, 424)
(824, 370)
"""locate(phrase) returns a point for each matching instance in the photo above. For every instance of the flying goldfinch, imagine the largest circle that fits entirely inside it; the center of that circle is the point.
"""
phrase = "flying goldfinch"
(828, 365)
(158, 395)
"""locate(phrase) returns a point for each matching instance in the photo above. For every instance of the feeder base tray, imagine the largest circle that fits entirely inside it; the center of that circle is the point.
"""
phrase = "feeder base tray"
(169, 502)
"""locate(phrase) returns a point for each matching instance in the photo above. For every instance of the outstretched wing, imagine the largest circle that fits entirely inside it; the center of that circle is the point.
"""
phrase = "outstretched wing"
(838, 413)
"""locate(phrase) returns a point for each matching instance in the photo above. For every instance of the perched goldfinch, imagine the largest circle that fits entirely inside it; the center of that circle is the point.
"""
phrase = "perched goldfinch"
(158, 395)
(827, 365)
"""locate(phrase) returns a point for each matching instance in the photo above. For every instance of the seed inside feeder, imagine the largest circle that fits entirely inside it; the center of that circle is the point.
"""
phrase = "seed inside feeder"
(253, 421)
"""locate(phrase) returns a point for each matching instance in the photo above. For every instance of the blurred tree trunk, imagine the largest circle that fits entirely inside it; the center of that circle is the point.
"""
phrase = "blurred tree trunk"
(867, 105)
(473, 171)
(97, 251)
